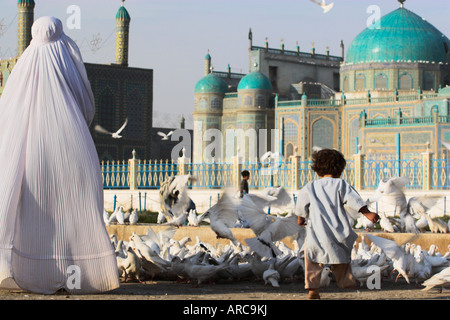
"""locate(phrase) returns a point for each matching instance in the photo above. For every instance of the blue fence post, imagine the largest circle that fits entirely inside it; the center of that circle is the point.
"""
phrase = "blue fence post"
(115, 200)
(210, 199)
(140, 207)
(398, 154)
(145, 201)
(445, 205)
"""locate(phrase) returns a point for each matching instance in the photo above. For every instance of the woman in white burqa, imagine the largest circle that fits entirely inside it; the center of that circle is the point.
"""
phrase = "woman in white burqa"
(52, 235)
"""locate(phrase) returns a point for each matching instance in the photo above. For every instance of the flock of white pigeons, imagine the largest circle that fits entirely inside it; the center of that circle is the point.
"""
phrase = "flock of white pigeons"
(157, 255)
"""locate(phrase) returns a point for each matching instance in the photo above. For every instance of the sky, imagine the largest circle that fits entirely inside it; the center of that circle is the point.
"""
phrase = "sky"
(172, 37)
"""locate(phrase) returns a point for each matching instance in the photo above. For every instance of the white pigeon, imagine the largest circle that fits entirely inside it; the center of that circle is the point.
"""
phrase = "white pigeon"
(402, 262)
(325, 277)
(423, 268)
(115, 135)
(275, 231)
(192, 217)
(106, 217)
(269, 155)
(422, 205)
(202, 272)
(134, 217)
(161, 217)
(283, 201)
(271, 275)
(164, 135)
(325, 7)
(392, 201)
(385, 223)
(222, 216)
(120, 216)
(113, 216)
(174, 199)
(267, 229)
(176, 221)
(131, 264)
(441, 280)
(145, 252)
(363, 223)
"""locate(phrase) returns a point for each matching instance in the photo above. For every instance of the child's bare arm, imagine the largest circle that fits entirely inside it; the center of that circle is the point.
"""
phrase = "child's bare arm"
(372, 216)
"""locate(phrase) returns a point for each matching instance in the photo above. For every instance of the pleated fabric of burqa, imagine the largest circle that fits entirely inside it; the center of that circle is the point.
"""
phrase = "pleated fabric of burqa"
(52, 234)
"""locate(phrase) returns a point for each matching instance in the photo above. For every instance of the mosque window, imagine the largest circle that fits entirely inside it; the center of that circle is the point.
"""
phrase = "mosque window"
(405, 82)
(216, 103)
(381, 82)
(1, 79)
(360, 82)
(202, 103)
(322, 133)
(248, 100)
(428, 81)
(345, 84)
(289, 150)
(135, 114)
(106, 112)
(260, 100)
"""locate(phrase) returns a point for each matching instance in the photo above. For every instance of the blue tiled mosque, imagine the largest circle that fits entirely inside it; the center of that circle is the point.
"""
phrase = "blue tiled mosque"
(386, 98)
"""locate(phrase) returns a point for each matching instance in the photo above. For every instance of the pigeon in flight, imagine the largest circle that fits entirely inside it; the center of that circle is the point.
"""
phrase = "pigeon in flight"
(165, 136)
(326, 7)
(115, 135)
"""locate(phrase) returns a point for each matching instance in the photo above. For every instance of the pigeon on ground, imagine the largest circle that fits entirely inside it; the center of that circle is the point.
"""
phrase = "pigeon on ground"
(422, 205)
(193, 218)
(120, 216)
(440, 280)
(106, 217)
(134, 218)
(325, 277)
(402, 262)
(271, 276)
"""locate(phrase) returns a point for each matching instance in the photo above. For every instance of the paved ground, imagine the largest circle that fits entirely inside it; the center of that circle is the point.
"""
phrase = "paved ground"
(242, 290)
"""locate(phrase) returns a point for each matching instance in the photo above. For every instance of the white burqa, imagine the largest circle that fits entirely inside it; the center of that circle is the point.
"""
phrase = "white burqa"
(52, 234)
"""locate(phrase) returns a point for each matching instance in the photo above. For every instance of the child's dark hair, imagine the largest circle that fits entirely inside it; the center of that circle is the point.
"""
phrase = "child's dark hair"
(328, 162)
(245, 173)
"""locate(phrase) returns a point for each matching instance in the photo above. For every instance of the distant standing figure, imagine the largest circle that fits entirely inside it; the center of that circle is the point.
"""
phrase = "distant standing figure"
(329, 236)
(244, 183)
(52, 234)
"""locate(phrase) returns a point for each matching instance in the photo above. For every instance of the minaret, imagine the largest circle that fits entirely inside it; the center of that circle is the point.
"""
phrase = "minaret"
(207, 64)
(250, 39)
(342, 50)
(25, 21)
(122, 35)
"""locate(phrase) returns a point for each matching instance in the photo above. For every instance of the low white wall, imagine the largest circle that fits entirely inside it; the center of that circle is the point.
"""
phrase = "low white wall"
(204, 198)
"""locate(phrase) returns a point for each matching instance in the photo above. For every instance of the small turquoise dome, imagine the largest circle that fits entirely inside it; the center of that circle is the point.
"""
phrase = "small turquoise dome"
(255, 80)
(26, 2)
(123, 14)
(402, 35)
(211, 83)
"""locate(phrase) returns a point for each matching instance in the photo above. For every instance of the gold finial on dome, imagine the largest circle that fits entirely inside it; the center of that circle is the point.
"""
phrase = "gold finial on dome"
(401, 3)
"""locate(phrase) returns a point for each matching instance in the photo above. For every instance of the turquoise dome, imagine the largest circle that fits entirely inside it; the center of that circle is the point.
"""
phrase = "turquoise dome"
(26, 3)
(255, 80)
(402, 35)
(211, 84)
(122, 13)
